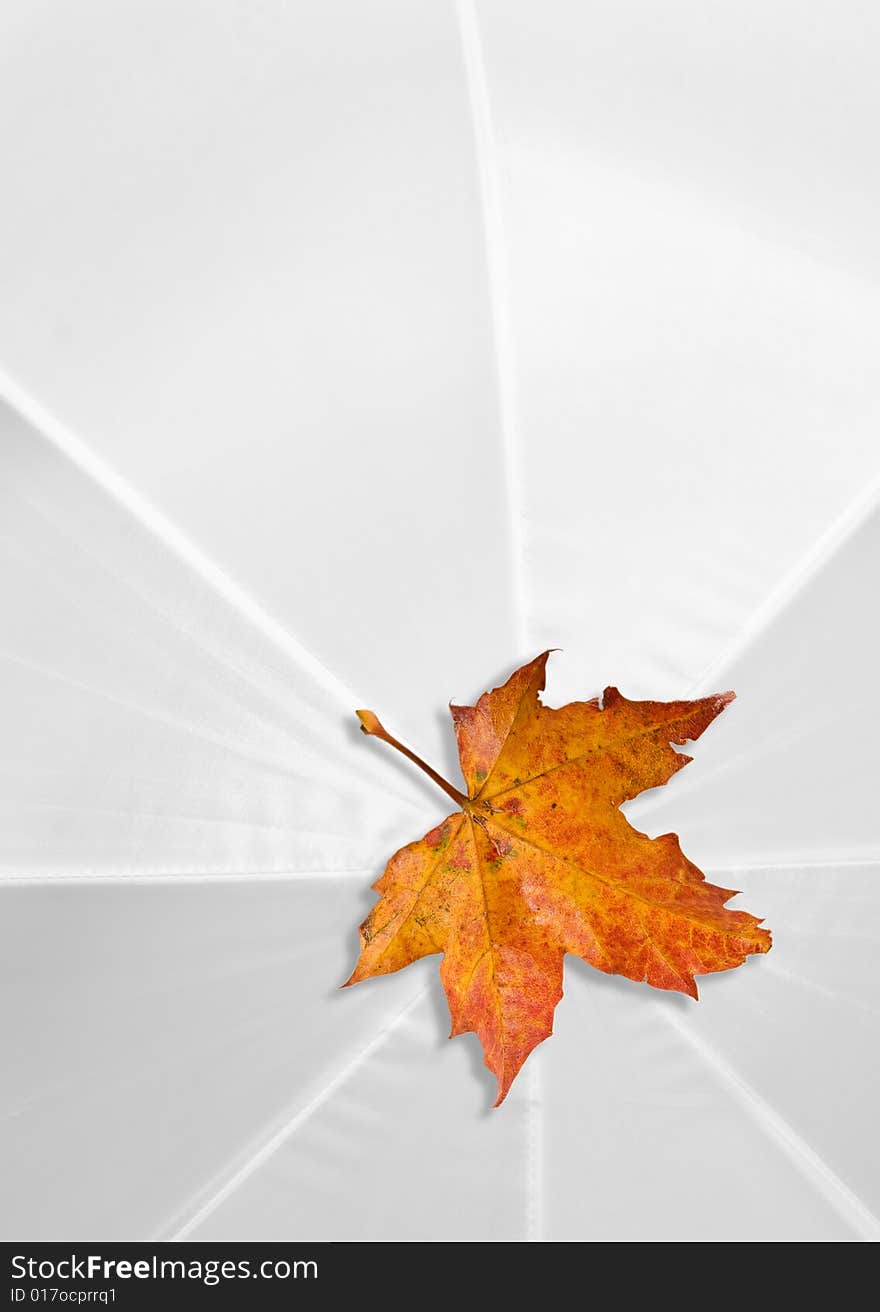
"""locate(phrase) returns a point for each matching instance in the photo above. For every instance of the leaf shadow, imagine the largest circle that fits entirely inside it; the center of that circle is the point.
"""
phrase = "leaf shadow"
(449, 764)
(470, 1044)
(636, 990)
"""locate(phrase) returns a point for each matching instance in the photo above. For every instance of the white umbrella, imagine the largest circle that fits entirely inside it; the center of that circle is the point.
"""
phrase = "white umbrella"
(354, 354)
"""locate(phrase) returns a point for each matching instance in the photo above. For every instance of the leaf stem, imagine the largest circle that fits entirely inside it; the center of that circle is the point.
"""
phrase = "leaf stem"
(370, 724)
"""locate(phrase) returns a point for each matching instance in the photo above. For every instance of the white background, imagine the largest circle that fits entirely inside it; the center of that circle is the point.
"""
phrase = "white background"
(351, 355)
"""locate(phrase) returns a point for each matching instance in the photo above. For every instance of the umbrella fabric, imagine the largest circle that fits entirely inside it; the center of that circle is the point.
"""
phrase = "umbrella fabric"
(352, 354)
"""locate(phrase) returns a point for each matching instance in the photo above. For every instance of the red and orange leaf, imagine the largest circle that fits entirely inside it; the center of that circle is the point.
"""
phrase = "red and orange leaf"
(540, 861)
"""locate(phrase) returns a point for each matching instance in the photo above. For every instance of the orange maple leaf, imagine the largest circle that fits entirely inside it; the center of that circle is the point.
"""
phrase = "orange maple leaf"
(540, 861)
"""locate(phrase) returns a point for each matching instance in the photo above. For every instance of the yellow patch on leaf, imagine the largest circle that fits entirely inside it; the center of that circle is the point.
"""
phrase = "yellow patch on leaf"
(540, 861)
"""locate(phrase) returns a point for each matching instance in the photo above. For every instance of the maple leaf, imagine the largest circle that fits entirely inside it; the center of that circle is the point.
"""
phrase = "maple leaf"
(539, 861)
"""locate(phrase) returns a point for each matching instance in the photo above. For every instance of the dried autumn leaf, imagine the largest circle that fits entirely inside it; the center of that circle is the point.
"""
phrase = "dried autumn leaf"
(540, 861)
